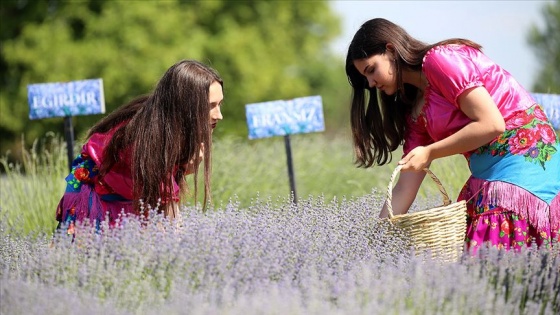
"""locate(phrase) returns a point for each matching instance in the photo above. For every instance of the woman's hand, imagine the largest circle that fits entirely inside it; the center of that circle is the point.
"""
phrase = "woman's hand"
(416, 160)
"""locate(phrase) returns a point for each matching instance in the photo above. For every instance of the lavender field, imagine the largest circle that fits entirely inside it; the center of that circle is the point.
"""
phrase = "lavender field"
(323, 255)
(313, 258)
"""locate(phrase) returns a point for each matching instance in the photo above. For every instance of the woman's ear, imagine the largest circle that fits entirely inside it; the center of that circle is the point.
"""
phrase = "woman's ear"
(390, 48)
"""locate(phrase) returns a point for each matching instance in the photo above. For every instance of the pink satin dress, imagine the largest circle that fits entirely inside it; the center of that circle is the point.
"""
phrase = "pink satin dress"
(512, 195)
(89, 195)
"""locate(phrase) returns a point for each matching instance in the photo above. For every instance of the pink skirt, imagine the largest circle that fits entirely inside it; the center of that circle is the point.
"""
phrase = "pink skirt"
(504, 228)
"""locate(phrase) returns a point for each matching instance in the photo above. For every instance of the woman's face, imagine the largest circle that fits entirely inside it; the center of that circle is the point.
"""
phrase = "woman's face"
(379, 71)
(215, 97)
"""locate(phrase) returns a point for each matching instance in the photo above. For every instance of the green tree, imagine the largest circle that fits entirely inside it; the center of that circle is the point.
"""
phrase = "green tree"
(546, 44)
(265, 50)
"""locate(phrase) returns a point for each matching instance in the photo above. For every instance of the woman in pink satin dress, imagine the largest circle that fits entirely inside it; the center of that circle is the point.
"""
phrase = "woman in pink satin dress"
(449, 98)
(136, 158)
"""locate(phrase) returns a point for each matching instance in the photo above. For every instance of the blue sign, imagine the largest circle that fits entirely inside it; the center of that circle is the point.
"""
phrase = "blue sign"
(83, 97)
(280, 118)
(551, 106)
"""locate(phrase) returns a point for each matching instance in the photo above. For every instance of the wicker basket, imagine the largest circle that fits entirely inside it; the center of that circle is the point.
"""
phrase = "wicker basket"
(440, 230)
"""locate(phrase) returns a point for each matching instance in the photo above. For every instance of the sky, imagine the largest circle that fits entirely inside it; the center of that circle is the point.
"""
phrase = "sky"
(501, 27)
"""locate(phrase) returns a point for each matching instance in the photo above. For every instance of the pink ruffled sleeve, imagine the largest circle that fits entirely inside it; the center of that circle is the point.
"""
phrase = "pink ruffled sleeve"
(450, 70)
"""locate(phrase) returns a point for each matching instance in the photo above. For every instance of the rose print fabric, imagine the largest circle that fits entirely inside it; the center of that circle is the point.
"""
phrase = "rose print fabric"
(513, 194)
(503, 229)
(520, 205)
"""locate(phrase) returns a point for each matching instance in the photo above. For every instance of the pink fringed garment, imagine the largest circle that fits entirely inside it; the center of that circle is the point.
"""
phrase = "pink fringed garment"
(513, 193)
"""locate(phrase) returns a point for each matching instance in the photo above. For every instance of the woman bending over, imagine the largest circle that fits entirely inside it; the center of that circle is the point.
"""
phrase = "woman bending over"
(449, 98)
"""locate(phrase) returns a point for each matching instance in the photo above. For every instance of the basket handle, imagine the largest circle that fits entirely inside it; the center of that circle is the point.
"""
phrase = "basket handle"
(446, 200)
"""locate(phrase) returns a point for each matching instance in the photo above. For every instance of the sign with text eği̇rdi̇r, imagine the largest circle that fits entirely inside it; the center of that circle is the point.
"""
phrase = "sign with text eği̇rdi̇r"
(63, 99)
(66, 99)
(281, 118)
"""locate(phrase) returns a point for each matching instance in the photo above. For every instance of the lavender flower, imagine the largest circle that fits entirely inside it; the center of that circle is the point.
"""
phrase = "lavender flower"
(316, 257)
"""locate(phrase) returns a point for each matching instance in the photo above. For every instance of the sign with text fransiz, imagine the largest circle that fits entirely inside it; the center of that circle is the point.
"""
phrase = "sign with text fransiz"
(280, 118)
(62, 99)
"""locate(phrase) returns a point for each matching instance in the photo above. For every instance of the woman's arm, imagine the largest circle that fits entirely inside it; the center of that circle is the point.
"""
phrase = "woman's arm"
(487, 123)
(404, 193)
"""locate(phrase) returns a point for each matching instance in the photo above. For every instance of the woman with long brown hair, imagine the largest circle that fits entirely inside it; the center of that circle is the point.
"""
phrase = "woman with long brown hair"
(136, 158)
(449, 98)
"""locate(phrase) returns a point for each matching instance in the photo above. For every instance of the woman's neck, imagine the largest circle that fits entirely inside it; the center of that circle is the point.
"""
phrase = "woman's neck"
(415, 78)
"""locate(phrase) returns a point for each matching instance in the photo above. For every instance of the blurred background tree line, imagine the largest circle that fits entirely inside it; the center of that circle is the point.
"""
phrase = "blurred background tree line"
(545, 43)
(264, 50)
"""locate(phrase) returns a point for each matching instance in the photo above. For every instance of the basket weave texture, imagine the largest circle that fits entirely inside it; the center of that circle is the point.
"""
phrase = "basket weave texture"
(440, 230)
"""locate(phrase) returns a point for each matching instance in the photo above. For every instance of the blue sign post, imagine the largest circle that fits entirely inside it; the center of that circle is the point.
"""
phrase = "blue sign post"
(66, 99)
(283, 118)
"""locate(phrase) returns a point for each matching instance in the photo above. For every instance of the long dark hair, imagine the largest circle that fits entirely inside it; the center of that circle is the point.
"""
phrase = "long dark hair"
(164, 130)
(377, 119)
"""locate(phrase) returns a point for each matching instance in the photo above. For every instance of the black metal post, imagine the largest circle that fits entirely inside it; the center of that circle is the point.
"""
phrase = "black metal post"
(69, 136)
(290, 167)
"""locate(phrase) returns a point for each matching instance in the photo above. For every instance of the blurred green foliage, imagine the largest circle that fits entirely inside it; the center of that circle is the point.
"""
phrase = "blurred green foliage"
(546, 45)
(264, 50)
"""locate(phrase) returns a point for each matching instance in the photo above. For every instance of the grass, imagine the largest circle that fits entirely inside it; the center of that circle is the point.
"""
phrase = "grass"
(254, 251)
(322, 166)
(242, 171)
(29, 192)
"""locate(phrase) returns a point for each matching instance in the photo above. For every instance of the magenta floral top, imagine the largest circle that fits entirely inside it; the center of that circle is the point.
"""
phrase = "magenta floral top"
(517, 175)
(451, 70)
(90, 195)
